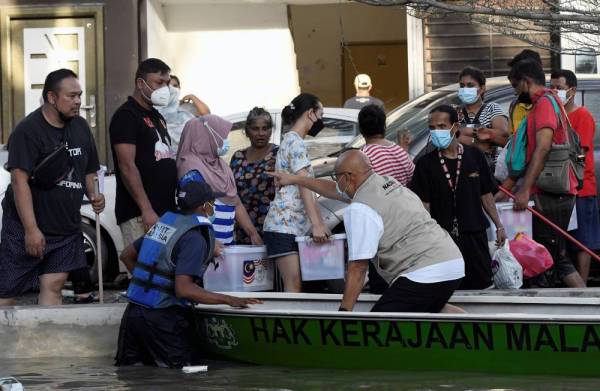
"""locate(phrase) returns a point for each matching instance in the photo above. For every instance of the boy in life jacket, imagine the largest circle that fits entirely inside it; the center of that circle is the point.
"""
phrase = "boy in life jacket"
(165, 265)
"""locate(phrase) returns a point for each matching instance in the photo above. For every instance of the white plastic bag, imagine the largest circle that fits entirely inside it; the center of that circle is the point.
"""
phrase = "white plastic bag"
(501, 171)
(508, 272)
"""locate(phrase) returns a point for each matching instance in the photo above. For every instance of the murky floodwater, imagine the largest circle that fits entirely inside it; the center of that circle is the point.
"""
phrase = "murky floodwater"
(99, 374)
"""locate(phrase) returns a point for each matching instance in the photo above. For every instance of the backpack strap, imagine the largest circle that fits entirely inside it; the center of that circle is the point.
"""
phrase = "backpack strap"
(475, 120)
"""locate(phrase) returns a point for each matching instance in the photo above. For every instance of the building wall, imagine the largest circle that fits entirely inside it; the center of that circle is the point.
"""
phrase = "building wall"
(232, 56)
(121, 49)
(318, 36)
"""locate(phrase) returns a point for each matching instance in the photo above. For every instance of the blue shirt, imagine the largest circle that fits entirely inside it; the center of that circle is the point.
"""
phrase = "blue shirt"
(188, 253)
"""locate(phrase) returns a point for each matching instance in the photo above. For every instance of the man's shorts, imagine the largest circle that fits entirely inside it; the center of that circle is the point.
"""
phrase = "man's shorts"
(405, 295)
(588, 224)
(131, 230)
(280, 244)
(156, 337)
(20, 272)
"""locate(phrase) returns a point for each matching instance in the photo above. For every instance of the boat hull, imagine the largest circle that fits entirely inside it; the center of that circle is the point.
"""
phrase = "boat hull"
(507, 344)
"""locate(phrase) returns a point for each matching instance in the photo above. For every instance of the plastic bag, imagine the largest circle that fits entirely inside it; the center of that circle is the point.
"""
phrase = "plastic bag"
(501, 170)
(533, 257)
(508, 272)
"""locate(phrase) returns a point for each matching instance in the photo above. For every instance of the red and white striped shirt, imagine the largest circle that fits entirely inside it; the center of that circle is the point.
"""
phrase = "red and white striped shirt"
(390, 160)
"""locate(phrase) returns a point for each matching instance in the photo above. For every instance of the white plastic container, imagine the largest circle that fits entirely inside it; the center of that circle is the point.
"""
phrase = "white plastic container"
(513, 221)
(241, 268)
(321, 261)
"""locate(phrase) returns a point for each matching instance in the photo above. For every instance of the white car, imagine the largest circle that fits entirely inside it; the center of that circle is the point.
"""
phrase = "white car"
(340, 128)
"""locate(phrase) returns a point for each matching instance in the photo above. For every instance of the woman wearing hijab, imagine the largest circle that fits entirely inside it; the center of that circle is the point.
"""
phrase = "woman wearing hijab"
(203, 141)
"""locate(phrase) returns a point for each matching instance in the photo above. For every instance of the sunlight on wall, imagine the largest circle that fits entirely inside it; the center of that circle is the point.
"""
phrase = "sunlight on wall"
(233, 57)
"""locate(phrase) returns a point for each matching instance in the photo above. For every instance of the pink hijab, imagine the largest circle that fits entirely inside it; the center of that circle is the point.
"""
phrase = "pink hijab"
(200, 139)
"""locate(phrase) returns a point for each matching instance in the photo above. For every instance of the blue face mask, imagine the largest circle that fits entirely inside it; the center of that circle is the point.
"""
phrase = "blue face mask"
(224, 148)
(468, 95)
(441, 138)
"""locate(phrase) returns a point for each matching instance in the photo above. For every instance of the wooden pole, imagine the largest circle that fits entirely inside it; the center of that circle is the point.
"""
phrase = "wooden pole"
(99, 247)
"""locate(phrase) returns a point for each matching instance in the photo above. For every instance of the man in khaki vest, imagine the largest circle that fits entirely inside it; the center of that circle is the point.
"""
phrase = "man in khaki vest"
(387, 224)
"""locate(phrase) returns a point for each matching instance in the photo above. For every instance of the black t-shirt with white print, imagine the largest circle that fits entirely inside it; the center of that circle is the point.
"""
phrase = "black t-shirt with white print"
(57, 210)
(133, 124)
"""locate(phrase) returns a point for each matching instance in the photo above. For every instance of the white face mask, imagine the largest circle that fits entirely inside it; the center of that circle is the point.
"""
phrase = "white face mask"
(174, 94)
(159, 97)
(562, 94)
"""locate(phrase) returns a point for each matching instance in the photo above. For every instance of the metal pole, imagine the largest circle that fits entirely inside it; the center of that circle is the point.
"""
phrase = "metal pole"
(555, 227)
(99, 247)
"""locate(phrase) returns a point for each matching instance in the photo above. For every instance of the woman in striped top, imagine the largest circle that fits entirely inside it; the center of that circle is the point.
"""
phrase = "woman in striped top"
(387, 158)
(203, 142)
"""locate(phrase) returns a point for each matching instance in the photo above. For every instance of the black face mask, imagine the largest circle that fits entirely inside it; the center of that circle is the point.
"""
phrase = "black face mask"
(317, 126)
(524, 98)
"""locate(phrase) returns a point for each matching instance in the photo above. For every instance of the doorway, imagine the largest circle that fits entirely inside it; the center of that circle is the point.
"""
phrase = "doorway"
(387, 65)
(36, 42)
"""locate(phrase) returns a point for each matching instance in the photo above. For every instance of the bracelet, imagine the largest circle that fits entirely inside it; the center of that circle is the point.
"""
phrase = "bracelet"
(500, 229)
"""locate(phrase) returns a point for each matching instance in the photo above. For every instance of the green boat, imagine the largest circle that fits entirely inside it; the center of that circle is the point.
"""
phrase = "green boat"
(520, 332)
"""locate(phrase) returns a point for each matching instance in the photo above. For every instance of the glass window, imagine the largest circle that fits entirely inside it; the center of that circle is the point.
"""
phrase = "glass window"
(586, 63)
(591, 100)
(237, 139)
(334, 136)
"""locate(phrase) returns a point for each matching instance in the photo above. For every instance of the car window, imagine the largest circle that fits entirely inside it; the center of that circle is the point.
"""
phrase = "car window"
(591, 100)
(237, 139)
(335, 135)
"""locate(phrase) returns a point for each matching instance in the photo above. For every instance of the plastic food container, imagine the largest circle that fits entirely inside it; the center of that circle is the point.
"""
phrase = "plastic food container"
(513, 221)
(242, 268)
(321, 261)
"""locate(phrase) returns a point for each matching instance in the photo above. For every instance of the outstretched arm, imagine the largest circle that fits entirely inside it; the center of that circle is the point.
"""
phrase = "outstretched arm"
(324, 187)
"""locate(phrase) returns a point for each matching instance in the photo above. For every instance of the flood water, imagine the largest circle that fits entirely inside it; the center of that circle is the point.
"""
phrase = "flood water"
(99, 374)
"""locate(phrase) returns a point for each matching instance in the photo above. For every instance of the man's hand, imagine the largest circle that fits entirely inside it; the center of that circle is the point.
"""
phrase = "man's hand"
(239, 302)
(320, 233)
(35, 243)
(218, 249)
(256, 240)
(149, 218)
(500, 236)
(521, 199)
(98, 202)
(404, 139)
(282, 178)
(190, 98)
(484, 134)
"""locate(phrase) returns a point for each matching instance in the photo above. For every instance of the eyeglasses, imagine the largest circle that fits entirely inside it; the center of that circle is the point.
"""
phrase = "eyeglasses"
(336, 175)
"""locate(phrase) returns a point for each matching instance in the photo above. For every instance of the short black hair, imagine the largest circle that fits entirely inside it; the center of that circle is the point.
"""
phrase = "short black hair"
(371, 121)
(173, 77)
(527, 69)
(53, 80)
(569, 76)
(151, 65)
(473, 72)
(526, 54)
(446, 109)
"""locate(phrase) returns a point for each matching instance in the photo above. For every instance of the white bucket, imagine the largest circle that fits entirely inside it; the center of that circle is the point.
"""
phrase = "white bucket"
(321, 261)
(241, 268)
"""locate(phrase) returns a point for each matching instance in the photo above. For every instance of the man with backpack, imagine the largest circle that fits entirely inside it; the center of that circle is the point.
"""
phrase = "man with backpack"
(548, 177)
(588, 218)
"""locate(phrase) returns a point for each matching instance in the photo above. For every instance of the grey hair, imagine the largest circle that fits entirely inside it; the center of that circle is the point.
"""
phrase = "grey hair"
(255, 114)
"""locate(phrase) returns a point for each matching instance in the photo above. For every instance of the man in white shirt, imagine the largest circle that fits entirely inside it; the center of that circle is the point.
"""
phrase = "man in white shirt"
(387, 224)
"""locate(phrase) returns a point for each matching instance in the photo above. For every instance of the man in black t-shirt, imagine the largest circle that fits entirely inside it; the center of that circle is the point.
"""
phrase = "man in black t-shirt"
(454, 182)
(144, 160)
(41, 228)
